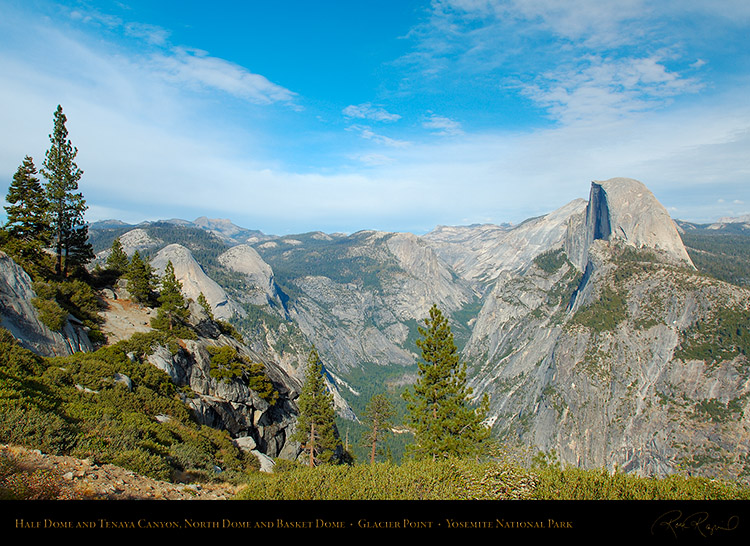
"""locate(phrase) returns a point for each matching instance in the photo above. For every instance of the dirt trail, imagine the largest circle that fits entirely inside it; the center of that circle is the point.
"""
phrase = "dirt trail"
(73, 478)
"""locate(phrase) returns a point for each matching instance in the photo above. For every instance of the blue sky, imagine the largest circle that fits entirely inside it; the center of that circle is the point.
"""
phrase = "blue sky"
(293, 116)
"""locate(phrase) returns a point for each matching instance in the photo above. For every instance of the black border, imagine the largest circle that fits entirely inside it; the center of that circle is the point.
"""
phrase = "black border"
(664, 521)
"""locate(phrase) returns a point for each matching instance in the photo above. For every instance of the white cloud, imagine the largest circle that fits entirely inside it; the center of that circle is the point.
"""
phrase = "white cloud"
(196, 68)
(150, 33)
(368, 111)
(368, 134)
(597, 88)
(442, 125)
(374, 159)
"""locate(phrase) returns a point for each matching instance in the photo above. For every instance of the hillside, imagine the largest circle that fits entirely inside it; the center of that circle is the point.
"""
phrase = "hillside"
(595, 331)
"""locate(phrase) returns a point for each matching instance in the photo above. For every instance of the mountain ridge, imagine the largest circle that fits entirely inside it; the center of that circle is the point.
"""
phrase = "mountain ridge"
(559, 314)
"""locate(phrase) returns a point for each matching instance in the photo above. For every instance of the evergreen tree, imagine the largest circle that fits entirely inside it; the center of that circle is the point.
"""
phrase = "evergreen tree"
(140, 277)
(117, 261)
(440, 414)
(27, 216)
(203, 302)
(316, 428)
(67, 206)
(172, 302)
(378, 415)
(78, 251)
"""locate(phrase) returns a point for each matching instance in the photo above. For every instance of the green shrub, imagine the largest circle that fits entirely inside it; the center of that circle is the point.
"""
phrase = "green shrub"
(51, 314)
(227, 364)
(604, 313)
(470, 480)
(412, 480)
(27, 425)
(578, 484)
(144, 462)
(551, 260)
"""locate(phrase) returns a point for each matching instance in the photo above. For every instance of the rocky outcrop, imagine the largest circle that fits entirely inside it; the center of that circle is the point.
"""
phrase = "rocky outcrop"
(260, 287)
(19, 316)
(623, 209)
(134, 240)
(254, 423)
(194, 280)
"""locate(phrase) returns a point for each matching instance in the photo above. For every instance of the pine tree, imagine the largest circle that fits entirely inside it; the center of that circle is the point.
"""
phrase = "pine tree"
(378, 415)
(440, 414)
(117, 261)
(140, 277)
(171, 301)
(27, 217)
(66, 205)
(316, 428)
(203, 302)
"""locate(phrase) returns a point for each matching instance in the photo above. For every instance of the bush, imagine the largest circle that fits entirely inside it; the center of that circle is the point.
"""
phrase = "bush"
(445, 479)
(27, 425)
(578, 484)
(470, 480)
(51, 314)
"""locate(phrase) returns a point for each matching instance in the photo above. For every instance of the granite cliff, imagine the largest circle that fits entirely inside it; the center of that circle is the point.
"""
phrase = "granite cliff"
(590, 327)
(595, 348)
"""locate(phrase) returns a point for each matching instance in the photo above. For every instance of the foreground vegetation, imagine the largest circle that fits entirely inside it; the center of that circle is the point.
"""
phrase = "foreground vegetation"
(456, 479)
(111, 407)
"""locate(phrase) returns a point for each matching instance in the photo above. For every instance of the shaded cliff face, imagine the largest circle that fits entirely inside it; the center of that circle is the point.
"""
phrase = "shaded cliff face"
(229, 404)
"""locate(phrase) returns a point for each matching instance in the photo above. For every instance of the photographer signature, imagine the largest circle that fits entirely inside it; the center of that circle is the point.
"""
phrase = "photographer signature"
(675, 522)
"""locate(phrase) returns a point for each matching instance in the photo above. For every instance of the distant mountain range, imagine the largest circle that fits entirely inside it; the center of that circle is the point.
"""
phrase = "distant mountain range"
(603, 331)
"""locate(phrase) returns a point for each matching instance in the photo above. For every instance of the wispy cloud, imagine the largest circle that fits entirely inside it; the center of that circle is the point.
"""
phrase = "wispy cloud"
(192, 67)
(197, 69)
(442, 125)
(150, 33)
(600, 89)
(576, 60)
(367, 133)
(368, 111)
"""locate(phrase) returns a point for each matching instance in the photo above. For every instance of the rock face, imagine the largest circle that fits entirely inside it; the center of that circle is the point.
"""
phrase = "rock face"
(19, 316)
(581, 325)
(590, 349)
(480, 253)
(623, 209)
(231, 405)
(260, 288)
(361, 300)
(194, 280)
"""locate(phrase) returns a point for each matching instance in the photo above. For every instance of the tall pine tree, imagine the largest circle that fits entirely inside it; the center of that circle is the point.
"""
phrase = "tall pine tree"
(118, 260)
(316, 428)
(27, 215)
(440, 412)
(140, 278)
(378, 416)
(172, 307)
(67, 205)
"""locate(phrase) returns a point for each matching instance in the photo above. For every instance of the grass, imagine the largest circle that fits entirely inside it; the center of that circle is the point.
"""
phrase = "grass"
(471, 480)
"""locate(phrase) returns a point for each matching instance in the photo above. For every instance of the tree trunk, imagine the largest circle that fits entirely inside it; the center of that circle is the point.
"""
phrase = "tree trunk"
(374, 442)
(312, 444)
